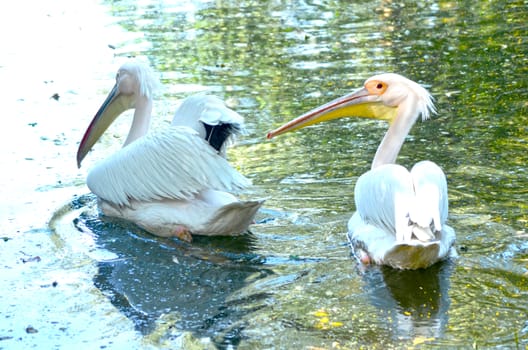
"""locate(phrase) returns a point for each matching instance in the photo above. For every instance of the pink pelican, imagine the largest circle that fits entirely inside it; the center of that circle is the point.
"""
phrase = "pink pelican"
(400, 217)
(175, 181)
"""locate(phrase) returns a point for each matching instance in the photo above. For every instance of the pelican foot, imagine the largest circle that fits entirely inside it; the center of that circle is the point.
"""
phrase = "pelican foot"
(365, 259)
(362, 256)
(182, 234)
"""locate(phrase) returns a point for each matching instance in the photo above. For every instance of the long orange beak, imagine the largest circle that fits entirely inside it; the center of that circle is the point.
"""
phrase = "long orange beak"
(360, 103)
(114, 104)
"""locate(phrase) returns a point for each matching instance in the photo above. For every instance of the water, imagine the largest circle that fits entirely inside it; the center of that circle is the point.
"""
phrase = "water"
(292, 282)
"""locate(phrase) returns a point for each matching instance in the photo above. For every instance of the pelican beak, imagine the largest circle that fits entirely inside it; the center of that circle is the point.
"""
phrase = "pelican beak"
(360, 103)
(114, 104)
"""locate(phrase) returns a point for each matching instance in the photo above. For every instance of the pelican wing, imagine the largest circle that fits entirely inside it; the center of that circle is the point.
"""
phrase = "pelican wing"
(208, 115)
(215, 111)
(174, 163)
(207, 109)
(383, 197)
(431, 203)
(402, 202)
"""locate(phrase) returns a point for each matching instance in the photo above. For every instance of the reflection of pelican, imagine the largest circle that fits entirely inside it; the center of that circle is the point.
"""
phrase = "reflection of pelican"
(416, 301)
(400, 218)
(175, 181)
(166, 289)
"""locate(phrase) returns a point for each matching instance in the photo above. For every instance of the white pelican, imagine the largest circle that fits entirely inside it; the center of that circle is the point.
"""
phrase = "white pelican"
(175, 181)
(401, 214)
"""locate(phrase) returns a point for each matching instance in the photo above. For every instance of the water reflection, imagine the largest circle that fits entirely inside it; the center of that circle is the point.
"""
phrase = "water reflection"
(416, 301)
(166, 284)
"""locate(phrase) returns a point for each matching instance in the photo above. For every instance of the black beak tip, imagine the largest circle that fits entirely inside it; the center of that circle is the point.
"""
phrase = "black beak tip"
(79, 160)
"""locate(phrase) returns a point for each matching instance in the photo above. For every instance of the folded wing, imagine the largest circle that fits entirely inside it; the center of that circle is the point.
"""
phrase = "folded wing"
(383, 196)
(174, 163)
(407, 204)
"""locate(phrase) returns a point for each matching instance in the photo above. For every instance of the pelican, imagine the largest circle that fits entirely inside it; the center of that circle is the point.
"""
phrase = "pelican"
(400, 217)
(175, 181)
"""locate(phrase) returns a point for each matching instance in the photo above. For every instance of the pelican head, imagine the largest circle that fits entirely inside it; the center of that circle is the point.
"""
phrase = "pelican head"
(385, 96)
(134, 87)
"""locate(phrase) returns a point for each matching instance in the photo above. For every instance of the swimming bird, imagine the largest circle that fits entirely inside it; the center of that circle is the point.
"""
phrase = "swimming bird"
(174, 181)
(400, 217)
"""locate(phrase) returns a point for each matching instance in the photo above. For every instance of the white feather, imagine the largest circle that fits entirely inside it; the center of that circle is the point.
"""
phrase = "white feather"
(395, 212)
(174, 163)
(431, 202)
(383, 196)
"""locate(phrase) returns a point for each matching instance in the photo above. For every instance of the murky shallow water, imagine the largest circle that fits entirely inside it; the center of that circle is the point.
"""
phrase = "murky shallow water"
(292, 283)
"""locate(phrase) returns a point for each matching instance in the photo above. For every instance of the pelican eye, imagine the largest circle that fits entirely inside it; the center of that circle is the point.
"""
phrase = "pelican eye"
(376, 87)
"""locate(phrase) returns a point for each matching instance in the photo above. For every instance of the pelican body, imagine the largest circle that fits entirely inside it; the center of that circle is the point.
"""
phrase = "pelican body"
(175, 181)
(400, 217)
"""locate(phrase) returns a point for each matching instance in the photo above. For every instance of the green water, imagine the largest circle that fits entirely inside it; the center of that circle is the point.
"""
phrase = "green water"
(272, 61)
(292, 284)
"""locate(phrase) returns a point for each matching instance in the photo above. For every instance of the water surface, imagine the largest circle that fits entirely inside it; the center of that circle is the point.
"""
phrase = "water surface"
(292, 283)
